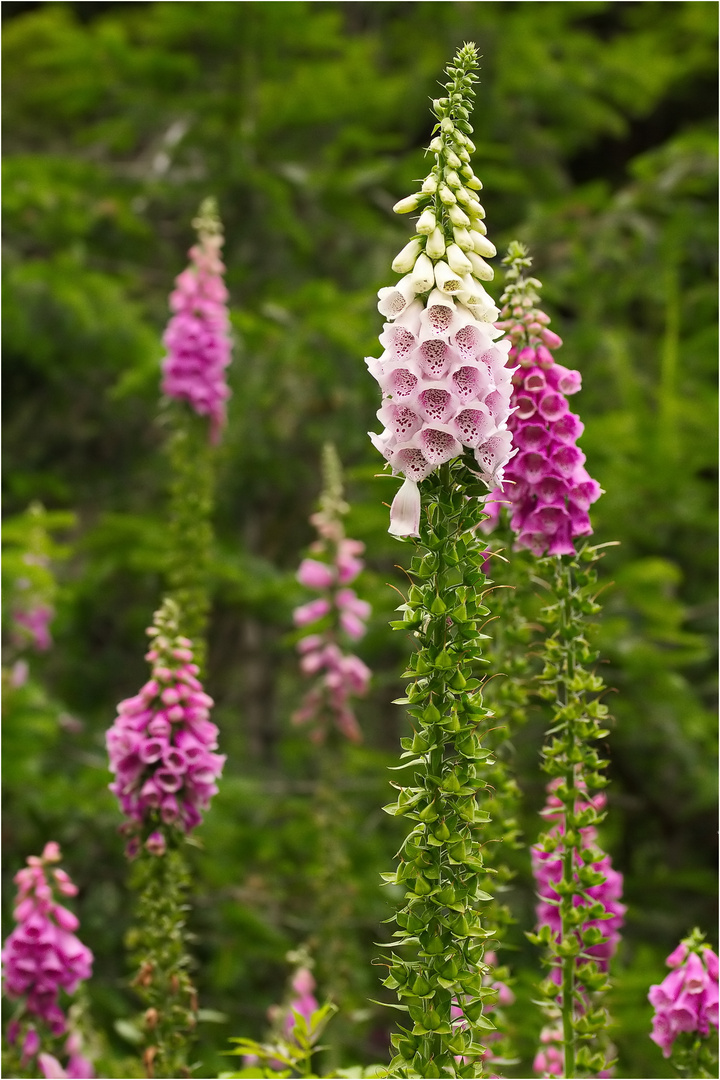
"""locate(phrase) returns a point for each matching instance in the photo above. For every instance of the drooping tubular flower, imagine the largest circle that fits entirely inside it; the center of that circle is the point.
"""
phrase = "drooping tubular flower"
(687, 999)
(548, 490)
(604, 897)
(162, 743)
(338, 610)
(443, 374)
(42, 955)
(197, 337)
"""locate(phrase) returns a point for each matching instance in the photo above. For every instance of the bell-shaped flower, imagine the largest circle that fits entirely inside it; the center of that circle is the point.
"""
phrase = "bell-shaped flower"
(405, 511)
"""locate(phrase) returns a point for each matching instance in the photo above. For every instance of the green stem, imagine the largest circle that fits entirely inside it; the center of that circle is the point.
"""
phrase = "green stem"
(566, 905)
(190, 527)
(441, 863)
(159, 950)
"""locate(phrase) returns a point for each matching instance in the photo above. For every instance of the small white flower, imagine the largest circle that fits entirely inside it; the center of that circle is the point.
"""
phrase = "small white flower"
(405, 511)
(394, 299)
(447, 280)
(474, 295)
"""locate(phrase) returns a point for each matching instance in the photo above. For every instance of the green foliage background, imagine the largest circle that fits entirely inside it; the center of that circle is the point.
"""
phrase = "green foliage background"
(596, 137)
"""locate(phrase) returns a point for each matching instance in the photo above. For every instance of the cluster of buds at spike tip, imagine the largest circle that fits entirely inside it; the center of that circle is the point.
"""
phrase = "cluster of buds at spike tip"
(197, 337)
(443, 375)
(42, 956)
(685, 1024)
(548, 490)
(162, 744)
(337, 611)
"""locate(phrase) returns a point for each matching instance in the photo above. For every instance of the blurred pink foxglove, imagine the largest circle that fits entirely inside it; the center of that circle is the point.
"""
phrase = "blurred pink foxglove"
(42, 956)
(162, 744)
(198, 337)
(339, 676)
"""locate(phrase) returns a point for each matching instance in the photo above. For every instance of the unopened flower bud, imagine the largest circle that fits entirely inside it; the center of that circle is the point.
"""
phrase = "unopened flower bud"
(463, 239)
(423, 275)
(470, 203)
(458, 262)
(430, 184)
(408, 204)
(435, 246)
(478, 226)
(404, 261)
(452, 179)
(453, 160)
(426, 222)
(446, 195)
(479, 267)
(436, 146)
(482, 245)
(458, 216)
(447, 125)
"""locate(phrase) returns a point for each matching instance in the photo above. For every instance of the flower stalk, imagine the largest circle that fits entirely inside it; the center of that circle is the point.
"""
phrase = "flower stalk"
(195, 388)
(579, 910)
(441, 865)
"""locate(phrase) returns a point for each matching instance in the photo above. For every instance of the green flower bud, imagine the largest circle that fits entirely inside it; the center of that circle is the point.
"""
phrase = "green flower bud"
(446, 195)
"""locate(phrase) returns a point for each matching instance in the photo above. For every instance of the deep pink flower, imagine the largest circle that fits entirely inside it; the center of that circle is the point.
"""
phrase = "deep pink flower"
(549, 468)
(197, 337)
(687, 998)
(161, 744)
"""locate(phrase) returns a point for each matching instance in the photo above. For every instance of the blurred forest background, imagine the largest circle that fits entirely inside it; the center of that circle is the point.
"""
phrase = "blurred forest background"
(596, 143)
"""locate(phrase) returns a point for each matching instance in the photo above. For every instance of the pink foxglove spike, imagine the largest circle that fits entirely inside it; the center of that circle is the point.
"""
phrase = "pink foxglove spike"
(198, 336)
